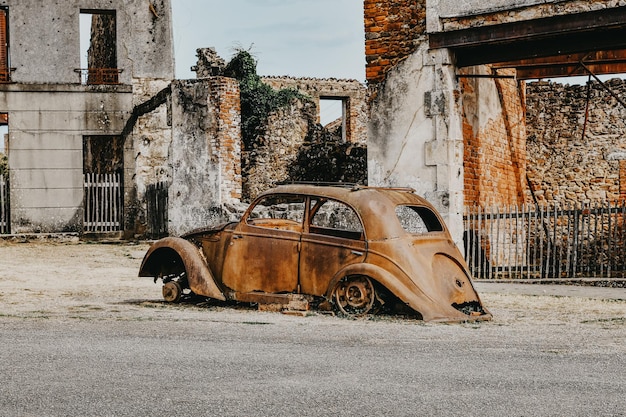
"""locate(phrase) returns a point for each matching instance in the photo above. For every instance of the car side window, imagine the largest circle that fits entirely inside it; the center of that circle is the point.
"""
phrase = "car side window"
(284, 212)
(418, 220)
(334, 218)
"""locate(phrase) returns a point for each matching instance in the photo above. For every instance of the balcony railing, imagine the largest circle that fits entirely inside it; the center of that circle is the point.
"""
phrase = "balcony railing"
(5, 75)
(99, 76)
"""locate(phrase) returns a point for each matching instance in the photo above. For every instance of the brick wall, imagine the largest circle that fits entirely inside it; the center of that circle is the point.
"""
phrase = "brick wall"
(391, 32)
(622, 180)
(494, 136)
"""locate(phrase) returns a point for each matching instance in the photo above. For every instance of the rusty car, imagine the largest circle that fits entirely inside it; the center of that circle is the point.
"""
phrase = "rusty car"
(349, 248)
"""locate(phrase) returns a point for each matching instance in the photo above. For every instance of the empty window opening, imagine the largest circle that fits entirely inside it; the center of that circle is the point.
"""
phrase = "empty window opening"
(98, 47)
(5, 70)
(333, 115)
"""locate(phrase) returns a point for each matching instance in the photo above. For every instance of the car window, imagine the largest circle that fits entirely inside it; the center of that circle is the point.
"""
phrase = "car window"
(278, 212)
(334, 218)
(418, 220)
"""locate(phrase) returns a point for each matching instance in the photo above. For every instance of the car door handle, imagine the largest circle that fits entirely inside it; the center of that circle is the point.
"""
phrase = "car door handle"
(357, 253)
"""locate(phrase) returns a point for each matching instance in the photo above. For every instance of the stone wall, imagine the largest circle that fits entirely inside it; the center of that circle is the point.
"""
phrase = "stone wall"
(269, 157)
(352, 92)
(568, 161)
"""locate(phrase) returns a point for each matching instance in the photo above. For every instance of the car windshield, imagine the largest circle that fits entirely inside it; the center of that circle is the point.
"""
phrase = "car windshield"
(418, 220)
(286, 207)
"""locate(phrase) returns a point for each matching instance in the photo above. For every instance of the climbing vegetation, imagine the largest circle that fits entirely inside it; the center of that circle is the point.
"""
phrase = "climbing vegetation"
(4, 165)
(258, 99)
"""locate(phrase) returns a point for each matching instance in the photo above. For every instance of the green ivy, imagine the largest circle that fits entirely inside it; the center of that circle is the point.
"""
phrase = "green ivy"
(258, 100)
(4, 164)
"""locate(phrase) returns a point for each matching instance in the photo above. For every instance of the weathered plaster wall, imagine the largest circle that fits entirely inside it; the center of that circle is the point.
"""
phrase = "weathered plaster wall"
(563, 163)
(204, 154)
(456, 142)
(46, 149)
(415, 136)
(45, 39)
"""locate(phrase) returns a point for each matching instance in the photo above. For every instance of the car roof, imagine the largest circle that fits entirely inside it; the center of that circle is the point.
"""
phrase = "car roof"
(373, 204)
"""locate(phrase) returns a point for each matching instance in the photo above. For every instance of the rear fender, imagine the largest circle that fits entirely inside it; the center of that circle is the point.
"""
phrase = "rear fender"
(407, 292)
(378, 274)
(171, 250)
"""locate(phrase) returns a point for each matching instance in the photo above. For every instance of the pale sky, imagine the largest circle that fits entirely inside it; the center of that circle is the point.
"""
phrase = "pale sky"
(299, 38)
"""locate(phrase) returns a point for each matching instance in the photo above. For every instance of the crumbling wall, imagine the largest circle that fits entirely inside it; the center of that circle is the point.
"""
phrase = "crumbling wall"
(568, 159)
(204, 153)
(351, 91)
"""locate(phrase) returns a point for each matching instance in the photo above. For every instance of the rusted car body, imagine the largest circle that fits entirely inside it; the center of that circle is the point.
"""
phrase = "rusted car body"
(352, 248)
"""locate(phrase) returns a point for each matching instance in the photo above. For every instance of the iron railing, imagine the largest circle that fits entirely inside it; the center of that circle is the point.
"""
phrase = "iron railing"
(558, 241)
(99, 76)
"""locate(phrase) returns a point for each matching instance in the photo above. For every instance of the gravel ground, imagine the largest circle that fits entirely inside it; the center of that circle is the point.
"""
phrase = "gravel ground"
(77, 279)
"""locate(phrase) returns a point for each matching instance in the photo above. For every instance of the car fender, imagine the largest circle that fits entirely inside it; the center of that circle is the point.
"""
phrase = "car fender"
(199, 276)
(380, 275)
(407, 292)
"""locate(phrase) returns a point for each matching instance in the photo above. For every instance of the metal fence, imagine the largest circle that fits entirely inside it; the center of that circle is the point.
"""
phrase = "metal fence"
(156, 210)
(559, 241)
(103, 203)
(5, 206)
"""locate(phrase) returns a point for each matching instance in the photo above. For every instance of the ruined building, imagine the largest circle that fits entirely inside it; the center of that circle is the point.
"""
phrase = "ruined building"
(448, 94)
(65, 120)
(115, 146)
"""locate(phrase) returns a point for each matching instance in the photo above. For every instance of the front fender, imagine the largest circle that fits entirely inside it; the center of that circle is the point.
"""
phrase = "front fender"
(168, 250)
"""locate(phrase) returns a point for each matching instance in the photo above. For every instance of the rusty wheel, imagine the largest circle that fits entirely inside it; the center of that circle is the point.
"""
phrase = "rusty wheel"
(354, 296)
(172, 292)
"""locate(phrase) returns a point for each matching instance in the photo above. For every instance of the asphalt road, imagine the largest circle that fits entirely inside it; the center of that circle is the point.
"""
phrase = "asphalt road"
(241, 362)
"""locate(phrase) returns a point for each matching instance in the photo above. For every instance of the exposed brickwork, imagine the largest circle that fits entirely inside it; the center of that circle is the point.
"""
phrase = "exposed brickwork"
(564, 164)
(391, 32)
(622, 180)
(225, 97)
(494, 151)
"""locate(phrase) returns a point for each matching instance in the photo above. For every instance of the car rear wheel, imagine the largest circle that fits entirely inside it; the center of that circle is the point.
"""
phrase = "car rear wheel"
(354, 296)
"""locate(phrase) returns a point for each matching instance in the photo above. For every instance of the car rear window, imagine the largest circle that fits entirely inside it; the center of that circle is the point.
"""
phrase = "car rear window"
(418, 220)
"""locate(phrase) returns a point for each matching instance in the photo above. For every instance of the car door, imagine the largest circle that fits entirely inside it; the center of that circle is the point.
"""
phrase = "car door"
(263, 254)
(333, 239)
